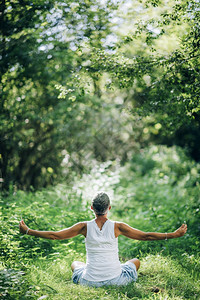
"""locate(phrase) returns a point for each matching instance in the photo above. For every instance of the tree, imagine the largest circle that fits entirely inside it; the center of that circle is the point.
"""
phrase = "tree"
(40, 49)
(163, 84)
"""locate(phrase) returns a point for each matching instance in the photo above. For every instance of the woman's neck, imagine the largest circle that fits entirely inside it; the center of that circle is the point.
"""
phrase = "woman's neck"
(101, 220)
(101, 217)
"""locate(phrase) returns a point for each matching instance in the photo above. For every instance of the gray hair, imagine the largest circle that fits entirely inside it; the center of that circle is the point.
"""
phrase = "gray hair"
(101, 203)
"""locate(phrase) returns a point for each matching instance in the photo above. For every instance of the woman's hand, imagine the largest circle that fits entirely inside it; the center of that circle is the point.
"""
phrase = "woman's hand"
(22, 227)
(181, 230)
(79, 228)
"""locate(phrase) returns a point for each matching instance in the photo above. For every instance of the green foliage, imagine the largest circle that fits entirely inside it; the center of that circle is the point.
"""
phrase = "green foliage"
(59, 63)
(157, 63)
(11, 282)
(29, 106)
(43, 210)
(156, 191)
(40, 49)
(160, 193)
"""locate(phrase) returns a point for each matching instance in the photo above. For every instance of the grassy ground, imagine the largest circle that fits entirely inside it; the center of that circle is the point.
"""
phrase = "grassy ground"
(157, 195)
(159, 278)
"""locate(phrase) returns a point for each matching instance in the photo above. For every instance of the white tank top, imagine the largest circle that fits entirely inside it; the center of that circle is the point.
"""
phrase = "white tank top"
(102, 261)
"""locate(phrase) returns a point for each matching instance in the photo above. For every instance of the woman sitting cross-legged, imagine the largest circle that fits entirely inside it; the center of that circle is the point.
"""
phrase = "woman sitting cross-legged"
(101, 235)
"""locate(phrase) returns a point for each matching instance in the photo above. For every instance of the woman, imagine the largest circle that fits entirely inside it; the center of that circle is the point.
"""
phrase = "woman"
(101, 235)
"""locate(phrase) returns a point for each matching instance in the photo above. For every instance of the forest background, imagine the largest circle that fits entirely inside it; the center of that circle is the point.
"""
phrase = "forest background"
(99, 95)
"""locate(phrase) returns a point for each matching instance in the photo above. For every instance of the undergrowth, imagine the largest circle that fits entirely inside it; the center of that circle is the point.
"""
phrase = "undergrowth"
(156, 191)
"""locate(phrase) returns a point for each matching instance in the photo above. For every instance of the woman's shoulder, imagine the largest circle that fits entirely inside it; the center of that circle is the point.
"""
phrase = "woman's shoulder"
(90, 221)
(114, 222)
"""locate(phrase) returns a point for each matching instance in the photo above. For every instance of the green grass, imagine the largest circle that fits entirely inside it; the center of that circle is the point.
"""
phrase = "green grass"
(159, 278)
(159, 193)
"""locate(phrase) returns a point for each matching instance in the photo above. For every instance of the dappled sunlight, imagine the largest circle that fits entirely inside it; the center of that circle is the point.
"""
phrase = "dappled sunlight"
(103, 177)
(99, 95)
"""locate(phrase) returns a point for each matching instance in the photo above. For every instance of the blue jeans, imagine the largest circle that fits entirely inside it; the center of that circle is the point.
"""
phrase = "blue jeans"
(128, 275)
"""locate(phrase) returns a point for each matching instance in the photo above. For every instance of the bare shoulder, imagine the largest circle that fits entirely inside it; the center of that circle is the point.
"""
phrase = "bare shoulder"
(118, 228)
(128, 231)
(120, 225)
(83, 227)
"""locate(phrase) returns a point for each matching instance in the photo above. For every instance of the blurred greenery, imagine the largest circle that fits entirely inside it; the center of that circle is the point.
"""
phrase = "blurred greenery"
(39, 52)
(94, 80)
(161, 192)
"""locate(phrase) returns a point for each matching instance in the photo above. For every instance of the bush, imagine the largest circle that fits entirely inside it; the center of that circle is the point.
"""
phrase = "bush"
(44, 210)
(159, 190)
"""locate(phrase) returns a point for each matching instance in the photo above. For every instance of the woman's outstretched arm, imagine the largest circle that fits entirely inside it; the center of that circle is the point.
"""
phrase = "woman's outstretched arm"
(79, 228)
(132, 233)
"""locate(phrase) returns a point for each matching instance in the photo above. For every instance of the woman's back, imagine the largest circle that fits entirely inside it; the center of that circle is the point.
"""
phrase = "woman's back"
(102, 252)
